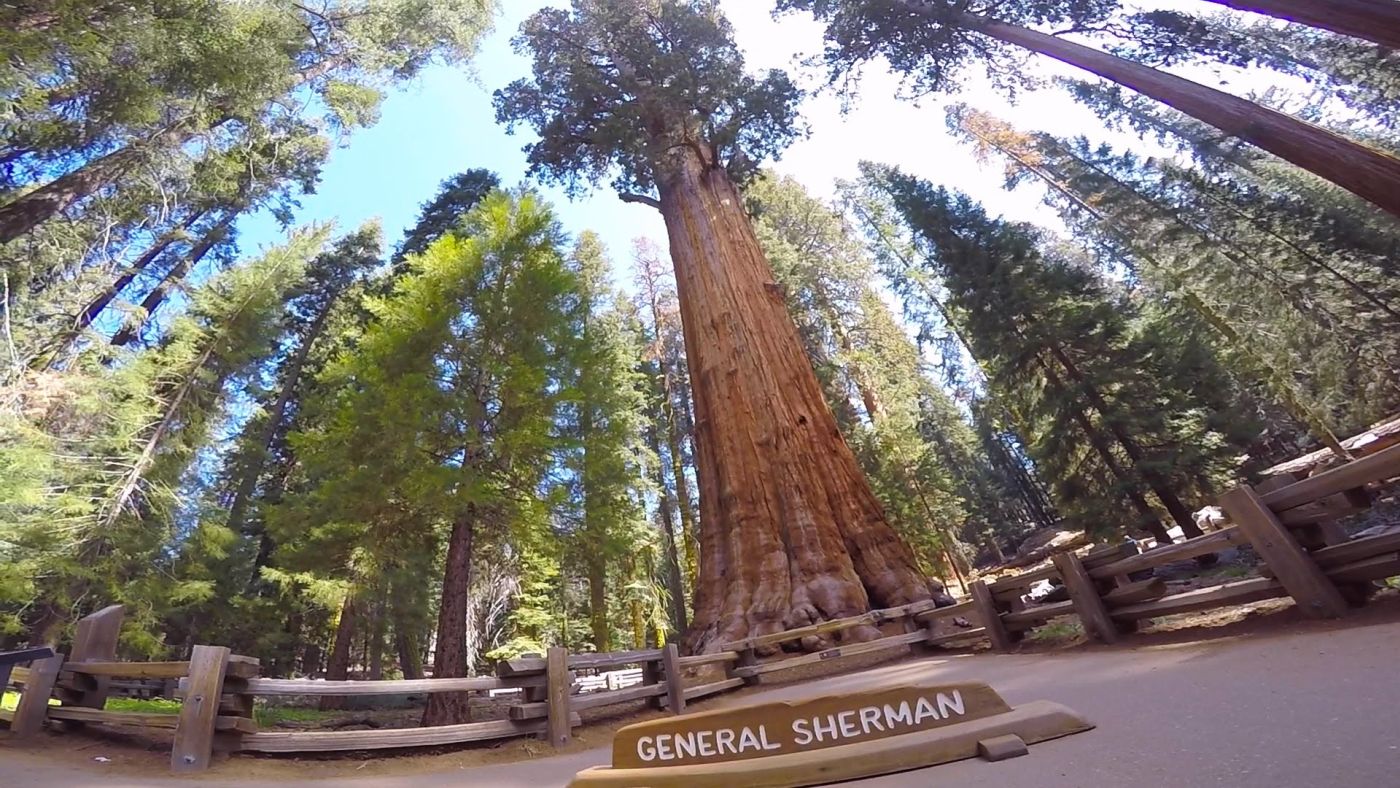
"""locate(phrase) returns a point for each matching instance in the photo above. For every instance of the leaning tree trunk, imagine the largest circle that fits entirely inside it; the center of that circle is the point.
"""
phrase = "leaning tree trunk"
(790, 532)
(47, 201)
(450, 660)
(675, 586)
(130, 332)
(1365, 171)
(1372, 20)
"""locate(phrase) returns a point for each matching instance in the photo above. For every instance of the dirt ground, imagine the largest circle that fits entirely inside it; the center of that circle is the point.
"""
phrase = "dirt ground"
(133, 755)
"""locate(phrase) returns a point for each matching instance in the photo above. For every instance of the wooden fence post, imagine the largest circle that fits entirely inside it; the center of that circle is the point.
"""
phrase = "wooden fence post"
(747, 659)
(675, 682)
(1315, 594)
(991, 617)
(560, 684)
(34, 701)
(1093, 613)
(199, 712)
(652, 676)
(95, 641)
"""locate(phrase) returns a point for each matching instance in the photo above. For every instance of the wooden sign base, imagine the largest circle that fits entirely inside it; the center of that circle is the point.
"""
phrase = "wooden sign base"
(987, 727)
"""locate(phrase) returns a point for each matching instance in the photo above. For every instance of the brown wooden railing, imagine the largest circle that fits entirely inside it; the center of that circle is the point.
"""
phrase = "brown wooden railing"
(1287, 522)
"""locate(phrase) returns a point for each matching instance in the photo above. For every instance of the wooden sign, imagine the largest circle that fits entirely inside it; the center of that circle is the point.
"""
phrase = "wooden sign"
(801, 726)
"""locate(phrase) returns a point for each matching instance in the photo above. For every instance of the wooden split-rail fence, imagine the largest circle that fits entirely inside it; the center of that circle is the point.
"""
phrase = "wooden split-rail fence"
(1289, 523)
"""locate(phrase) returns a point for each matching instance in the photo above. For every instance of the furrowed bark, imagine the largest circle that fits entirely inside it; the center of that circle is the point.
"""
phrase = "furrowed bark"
(450, 661)
(790, 532)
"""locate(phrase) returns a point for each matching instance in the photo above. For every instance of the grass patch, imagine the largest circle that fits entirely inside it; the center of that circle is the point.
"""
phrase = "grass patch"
(267, 716)
(143, 706)
(1056, 631)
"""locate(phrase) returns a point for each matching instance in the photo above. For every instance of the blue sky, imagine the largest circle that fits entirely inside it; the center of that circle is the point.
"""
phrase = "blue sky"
(443, 123)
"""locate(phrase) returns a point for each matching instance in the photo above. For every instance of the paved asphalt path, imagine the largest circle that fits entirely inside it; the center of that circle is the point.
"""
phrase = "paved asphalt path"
(1318, 709)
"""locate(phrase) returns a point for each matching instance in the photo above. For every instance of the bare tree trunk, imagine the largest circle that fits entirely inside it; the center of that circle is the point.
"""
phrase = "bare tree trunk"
(1365, 171)
(376, 641)
(450, 659)
(790, 532)
(1372, 20)
(99, 304)
(153, 300)
(339, 667)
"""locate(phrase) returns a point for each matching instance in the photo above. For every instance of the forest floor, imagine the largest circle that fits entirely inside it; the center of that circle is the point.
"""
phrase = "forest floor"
(1262, 697)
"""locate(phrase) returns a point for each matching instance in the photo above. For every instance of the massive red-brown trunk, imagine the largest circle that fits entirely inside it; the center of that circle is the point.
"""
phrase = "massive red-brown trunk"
(1372, 20)
(790, 532)
(1365, 171)
(450, 661)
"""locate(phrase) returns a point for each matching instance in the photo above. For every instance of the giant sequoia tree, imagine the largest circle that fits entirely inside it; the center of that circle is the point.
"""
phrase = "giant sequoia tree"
(654, 95)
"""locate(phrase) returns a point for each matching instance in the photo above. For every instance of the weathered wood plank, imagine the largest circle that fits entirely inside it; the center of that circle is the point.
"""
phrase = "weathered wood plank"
(1034, 615)
(1377, 467)
(1357, 549)
(854, 649)
(1093, 614)
(592, 700)
(194, 734)
(709, 659)
(612, 659)
(1240, 593)
(1315, 594)
(873, 618)
(705, 690)
(1112, 553)
(1381, 567)
(965, 608)
(96, 641)
(557, 724)
(1012, 585)
(1135, 593)
(1214, 542)
(343, 741)
(144, 720)
(134, 670)
(991, 617)
(273, 687)
(961, 634)
(34, 701)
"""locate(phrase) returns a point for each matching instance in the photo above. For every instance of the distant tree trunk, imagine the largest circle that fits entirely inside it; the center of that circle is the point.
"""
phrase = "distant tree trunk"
(138, 266)
(1372, 20)
(675, 586)
(1367, 172)
(211, 238)
(376, 642)
(1159, 484)
(47, 201)
(790, 532)
(450, 659)
(339, 667)
(675, 439)
(410, 660)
